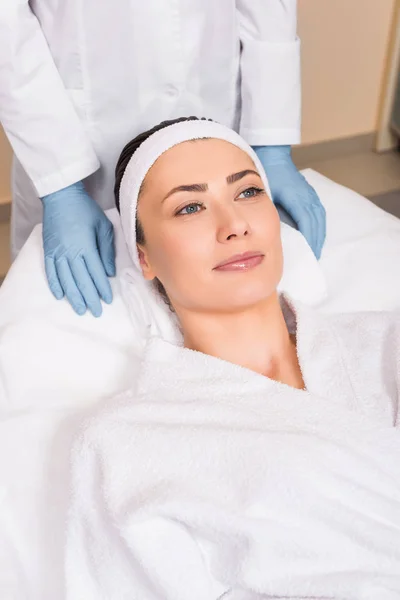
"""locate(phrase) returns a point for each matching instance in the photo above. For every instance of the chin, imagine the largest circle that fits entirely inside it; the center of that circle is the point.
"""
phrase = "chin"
(250, 295)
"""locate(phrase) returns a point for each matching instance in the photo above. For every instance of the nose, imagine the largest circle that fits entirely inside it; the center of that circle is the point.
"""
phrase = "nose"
(232, 224)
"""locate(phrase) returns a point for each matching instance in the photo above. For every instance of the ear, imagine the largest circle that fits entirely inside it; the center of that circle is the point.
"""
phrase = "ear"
(144, 261)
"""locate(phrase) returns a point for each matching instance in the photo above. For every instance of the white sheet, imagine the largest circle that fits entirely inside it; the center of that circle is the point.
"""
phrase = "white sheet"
(65, 363)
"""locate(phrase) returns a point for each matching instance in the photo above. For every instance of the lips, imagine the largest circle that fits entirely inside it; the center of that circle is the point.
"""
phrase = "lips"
(240, 262)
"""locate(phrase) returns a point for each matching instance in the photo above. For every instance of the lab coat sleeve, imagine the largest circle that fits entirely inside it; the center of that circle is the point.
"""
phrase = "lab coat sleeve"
(35, 110)
(270, 72)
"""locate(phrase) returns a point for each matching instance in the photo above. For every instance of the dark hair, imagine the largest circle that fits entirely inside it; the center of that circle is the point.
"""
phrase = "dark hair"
(134, 144)
(122, 163)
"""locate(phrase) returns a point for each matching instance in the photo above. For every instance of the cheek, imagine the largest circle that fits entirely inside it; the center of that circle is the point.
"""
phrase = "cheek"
(267, 223)
(177, 252)
(276, 228)
(269, 229)
(275, 238)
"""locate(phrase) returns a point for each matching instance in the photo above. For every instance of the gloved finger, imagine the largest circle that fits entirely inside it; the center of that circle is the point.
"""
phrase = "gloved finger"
(52, 278)
(69, 286)
(316, 224)
(106, 246)
(308, 226)
(86, 285)
(99, 277)
(303, 217)
(313, 214)
(285, 217)
(318, 209)
(319, 220)
(321, 229)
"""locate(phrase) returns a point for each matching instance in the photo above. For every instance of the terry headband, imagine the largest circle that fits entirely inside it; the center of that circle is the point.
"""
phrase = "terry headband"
(151, 149)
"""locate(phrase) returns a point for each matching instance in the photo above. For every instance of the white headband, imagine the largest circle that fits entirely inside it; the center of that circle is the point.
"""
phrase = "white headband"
(151, 149)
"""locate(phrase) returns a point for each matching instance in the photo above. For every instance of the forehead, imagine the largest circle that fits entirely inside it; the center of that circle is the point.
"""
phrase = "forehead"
(197, 161)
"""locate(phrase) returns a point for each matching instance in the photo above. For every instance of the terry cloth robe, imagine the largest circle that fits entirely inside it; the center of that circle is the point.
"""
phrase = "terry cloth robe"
(209, 481)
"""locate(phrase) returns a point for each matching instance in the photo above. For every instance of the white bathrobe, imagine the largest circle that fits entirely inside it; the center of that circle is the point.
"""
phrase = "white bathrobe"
(211, 481)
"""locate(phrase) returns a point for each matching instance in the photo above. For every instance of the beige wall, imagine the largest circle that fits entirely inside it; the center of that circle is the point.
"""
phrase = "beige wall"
(344, 46)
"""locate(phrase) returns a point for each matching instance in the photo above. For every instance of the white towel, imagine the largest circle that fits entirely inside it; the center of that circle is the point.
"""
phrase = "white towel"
(209, 481)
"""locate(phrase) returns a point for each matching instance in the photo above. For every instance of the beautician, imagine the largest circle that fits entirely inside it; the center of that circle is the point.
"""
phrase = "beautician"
(80, 78)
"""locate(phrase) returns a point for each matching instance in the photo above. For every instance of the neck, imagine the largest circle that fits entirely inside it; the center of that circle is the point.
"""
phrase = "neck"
(256, 338)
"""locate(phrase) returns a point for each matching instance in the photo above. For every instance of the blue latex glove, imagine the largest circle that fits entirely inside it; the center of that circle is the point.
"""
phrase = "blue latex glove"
(78, 242)
(291, 191)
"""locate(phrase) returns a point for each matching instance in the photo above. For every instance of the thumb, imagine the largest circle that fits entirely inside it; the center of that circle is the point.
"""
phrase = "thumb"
(106, 245)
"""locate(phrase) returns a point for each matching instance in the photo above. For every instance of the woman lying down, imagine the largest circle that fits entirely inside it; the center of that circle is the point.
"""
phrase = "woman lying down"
(259, 458)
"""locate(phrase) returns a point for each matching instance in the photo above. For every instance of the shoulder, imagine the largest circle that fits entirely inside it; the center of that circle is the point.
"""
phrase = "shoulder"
(365, 327)
(369, 343)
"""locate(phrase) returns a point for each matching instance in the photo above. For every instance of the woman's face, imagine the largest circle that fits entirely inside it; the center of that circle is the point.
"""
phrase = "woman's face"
(202, 207)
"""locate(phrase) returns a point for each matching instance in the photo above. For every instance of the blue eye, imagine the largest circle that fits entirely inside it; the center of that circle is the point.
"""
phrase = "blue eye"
(190, 209)
(251, 192)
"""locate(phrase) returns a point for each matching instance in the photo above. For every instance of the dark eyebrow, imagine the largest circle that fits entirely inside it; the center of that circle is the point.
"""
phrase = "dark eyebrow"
(203, 187)
(194, 187)
(236, 176)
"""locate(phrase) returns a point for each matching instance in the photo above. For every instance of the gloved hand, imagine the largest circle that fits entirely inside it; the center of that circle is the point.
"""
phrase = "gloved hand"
(291, 191)
(78, 242)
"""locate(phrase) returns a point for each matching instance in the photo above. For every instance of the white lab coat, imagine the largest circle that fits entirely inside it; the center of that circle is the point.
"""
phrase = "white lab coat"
(80, 78)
